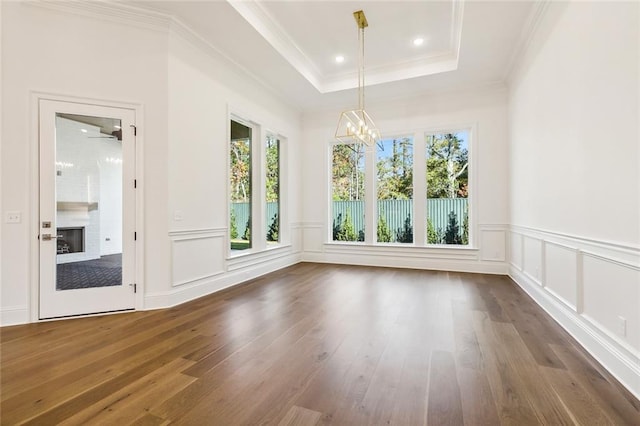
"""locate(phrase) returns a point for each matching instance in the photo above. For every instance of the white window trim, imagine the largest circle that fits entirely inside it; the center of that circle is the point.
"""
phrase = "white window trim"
(283, 231)
(259, 226)
(419, 205)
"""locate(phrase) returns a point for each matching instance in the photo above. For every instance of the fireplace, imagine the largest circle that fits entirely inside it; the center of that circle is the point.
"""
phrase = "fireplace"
(71, 240)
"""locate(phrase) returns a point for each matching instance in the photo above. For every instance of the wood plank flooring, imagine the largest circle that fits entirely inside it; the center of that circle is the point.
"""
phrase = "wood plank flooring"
(315, 345)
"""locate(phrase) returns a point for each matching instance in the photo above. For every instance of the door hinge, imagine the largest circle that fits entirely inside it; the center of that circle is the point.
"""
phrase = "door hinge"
(135, 129)
(135, 236)
(135, 183)
(135, 287)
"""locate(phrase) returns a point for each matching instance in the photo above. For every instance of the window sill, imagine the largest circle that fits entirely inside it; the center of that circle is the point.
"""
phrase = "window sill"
(430, 247)
(244, 254)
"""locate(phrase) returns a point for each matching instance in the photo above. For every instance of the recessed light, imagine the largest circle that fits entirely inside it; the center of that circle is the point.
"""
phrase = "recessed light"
(339, 59)
(83, 130)
(418, 41)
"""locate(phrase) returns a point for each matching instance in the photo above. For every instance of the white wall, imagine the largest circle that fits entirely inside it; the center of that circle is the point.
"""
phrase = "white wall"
(486, 111)
(68, 54)
(204, 89)
(575, 182)
(115, 54)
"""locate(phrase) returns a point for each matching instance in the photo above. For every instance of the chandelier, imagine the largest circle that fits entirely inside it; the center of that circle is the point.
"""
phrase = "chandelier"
(356, 126)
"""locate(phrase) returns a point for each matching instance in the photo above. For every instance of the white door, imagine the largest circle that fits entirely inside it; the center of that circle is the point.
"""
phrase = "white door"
(87, 209)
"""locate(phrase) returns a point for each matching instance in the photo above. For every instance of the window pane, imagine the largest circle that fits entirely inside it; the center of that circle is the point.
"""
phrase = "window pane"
(240, 184)
(273, 189)
(394, 168)
(348, 192)
(448, 188)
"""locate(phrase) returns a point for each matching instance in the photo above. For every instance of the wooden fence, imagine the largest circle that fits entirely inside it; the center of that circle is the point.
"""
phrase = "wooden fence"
(394, 212)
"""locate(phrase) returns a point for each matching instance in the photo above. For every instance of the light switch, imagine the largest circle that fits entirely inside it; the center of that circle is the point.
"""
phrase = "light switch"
(13, 217)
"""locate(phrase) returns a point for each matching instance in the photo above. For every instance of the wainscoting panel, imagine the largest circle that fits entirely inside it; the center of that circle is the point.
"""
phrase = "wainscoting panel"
(313, 237)
(591, 288)
(493, 245)
(532, 259)
(612, 297)
(489, 257)
(197, 255)
(560, 274)
(516, 250)
(296, 237)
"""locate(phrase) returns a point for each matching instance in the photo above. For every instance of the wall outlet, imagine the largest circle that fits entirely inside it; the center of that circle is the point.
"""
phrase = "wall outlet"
(622, 326)
(13, 217)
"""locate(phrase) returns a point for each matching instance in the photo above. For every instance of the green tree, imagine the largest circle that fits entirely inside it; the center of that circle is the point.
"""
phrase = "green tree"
(384, 233)
(452, 234)
(240, 170)
(247, 230)
(395, 169)
(272, 233)
(347, 231)
(273, 170)
(337, 227)
(465, 229)
(348, 172)
(234, 225)
(405, 234)
(433, 236)
(447, 166)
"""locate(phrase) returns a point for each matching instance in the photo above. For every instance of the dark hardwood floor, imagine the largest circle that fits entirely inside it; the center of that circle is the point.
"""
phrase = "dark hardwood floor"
(315, 344)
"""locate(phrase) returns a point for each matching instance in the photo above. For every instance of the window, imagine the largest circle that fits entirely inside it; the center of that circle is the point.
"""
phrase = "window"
(272, 189)
(447, 156)
(383, 190)
(394, 169)
(348, 192)
(240, 186)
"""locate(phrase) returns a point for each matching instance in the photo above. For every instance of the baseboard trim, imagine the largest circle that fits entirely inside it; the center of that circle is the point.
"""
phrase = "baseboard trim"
(188, 292)
(438, 264)
(620, 362)
(14, 315)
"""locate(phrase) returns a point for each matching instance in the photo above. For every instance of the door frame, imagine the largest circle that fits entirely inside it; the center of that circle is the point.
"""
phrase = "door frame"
(34, 217)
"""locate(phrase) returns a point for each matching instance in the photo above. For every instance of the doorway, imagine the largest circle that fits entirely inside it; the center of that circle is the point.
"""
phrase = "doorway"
(87, 214)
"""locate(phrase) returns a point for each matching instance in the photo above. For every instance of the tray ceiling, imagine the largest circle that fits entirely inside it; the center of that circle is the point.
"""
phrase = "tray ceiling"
(290, 46)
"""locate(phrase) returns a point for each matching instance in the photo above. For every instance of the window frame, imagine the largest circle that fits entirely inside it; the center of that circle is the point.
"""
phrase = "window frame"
(472, 132)
(367, 195)
(375, 189)
(419, 208)
(283, 235)
(255, 131)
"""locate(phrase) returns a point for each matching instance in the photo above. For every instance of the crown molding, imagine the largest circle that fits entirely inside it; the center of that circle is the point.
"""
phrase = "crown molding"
(148, 19)
(525, 39)
(256, 15)
(279, 39)
(185, 33)
(118, 12)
